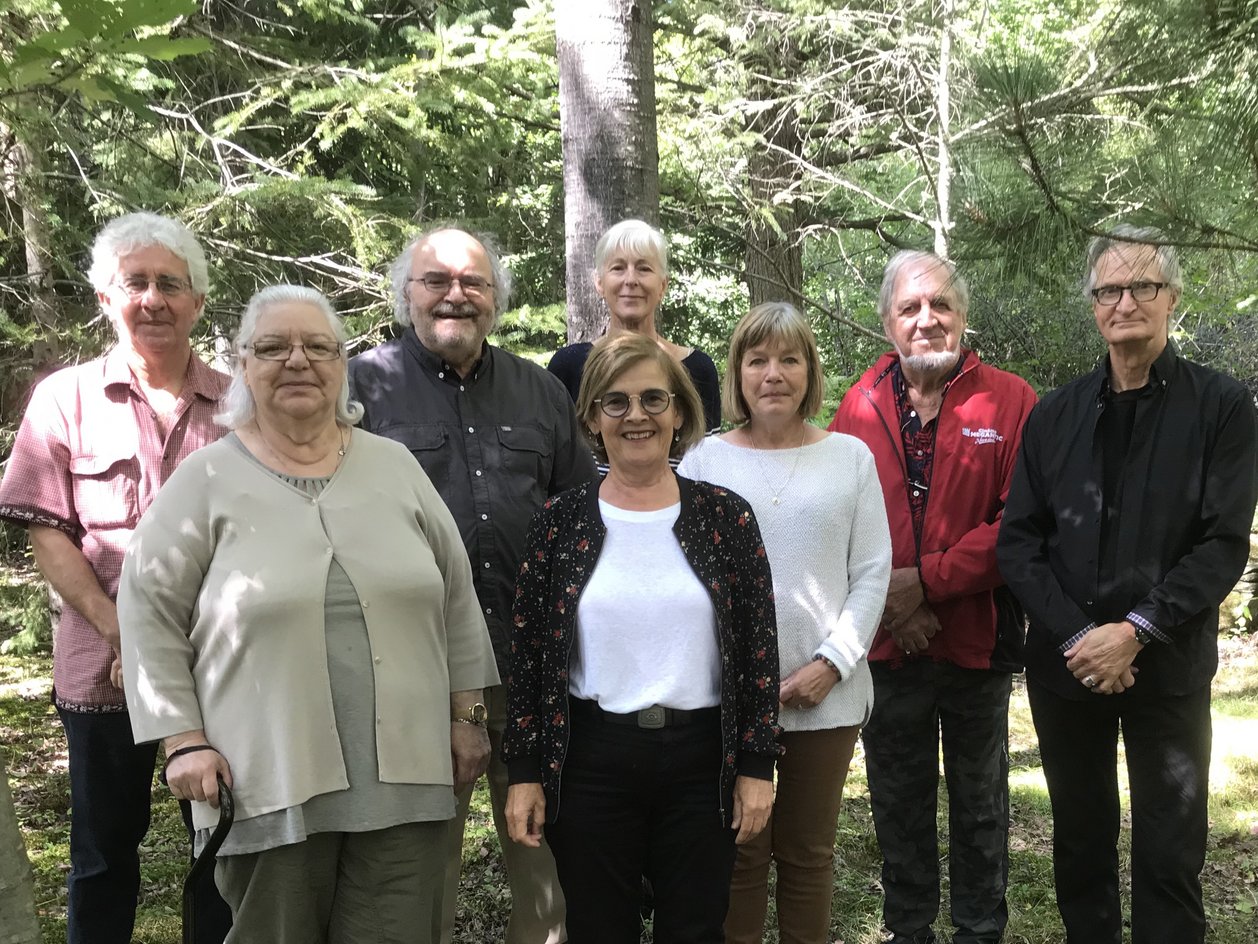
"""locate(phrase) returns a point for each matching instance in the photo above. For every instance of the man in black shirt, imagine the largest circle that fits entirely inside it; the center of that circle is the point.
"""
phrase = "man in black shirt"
(1126, 526)
(497, 435)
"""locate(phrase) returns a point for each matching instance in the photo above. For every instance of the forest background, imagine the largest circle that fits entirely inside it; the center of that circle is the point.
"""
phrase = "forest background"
(787, 147)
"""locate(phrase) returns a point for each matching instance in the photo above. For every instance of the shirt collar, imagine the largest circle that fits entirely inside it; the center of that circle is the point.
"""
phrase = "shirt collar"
(434, 364)
(1160, 371)
(201, 380)
(117, 367)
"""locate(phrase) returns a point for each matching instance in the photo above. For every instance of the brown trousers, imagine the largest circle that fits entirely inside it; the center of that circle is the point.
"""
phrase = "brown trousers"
(799, 839)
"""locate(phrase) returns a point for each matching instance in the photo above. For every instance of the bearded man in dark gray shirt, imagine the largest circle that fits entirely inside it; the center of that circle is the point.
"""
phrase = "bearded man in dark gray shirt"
(497, 435)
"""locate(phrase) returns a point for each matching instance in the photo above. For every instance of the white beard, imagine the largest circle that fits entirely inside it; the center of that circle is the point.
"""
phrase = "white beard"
(936, 362)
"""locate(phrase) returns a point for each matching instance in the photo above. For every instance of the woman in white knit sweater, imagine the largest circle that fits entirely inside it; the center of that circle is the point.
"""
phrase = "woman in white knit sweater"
(819, 504)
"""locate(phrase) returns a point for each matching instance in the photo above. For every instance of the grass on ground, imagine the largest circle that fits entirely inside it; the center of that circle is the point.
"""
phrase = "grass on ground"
(34, 747)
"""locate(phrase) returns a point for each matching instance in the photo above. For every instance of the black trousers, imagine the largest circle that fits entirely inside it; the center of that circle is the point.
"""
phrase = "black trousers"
(111, 784)
(636, 803)
(915, 708)
(1167, 743)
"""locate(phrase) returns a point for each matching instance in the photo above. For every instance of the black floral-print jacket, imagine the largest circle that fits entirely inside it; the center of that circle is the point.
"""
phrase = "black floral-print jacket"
(721, 540)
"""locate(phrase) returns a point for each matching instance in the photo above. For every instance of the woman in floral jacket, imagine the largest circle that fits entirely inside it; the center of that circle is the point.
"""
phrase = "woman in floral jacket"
(643, 687)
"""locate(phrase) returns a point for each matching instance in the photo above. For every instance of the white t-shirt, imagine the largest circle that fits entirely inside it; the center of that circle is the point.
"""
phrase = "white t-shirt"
(646, 632)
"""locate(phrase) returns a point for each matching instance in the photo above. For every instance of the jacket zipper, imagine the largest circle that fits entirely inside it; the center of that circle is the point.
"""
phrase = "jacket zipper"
(904, 474)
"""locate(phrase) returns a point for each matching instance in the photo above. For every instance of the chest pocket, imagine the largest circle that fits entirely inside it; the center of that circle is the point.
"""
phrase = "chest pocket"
(427, 444)
(525, 456)
(525, 451)
(417, 438)
(106, 490)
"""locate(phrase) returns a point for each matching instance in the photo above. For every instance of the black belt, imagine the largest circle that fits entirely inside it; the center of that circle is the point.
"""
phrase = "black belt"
(652, 718)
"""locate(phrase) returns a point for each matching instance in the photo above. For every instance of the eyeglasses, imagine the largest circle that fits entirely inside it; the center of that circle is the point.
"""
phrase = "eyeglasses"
(283, 350)
(439, 283)
(616, 404)
(1140, 292)
(167, 285)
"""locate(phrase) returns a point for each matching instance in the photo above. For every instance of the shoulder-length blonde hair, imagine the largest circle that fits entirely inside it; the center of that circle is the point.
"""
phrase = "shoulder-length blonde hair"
(612, 355)
(777, 323)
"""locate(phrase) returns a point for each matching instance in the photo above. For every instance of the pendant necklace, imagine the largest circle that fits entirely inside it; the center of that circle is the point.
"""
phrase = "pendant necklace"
(776, 496)
(284, 463)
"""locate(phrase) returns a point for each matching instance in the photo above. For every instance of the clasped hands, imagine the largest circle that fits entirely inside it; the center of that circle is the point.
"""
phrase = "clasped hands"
(907, 616)
(1104, 657)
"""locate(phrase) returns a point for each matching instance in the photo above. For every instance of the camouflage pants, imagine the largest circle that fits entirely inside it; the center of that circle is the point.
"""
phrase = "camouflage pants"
(914, 706)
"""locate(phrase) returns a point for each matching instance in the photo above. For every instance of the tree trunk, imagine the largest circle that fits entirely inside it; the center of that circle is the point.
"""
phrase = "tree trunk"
(607, 122)
(18, 924)
(22, 178)
(943, 95)
(774, 256)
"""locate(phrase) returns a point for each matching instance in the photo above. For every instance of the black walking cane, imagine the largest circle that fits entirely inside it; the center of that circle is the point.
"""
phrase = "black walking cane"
(205, 861)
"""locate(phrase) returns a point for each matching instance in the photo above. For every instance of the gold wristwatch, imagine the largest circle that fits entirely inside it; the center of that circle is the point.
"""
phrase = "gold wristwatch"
(476, 714)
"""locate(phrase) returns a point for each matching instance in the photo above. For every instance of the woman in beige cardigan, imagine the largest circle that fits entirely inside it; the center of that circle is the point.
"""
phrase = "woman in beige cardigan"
(298, 619)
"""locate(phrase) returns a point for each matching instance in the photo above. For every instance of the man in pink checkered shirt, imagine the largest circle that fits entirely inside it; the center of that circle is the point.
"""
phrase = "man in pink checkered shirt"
(96, 443)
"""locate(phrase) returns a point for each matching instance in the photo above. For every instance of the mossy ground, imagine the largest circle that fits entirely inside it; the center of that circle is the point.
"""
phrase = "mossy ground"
(31, 738)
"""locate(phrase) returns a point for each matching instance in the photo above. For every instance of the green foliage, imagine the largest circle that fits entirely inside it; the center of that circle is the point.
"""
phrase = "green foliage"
(309, 138)
(531, 331)
(73, 46)
(25, 626)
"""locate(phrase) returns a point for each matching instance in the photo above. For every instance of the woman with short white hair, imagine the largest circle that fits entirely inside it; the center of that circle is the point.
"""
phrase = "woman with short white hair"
(298, 619)
(631, 276)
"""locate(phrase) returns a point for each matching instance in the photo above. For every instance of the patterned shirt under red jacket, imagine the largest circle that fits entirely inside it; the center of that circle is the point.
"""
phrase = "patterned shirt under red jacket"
(88, 460)
(721, 541)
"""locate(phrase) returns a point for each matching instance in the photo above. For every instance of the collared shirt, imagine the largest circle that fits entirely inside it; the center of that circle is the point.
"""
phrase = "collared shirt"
(1185, 494)
(89, 458)
(918, 439)
(496, 444)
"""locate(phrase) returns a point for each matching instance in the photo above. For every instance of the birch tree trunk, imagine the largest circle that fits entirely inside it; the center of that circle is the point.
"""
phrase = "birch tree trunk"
(607, 123)
(943, 105)
(18, 924)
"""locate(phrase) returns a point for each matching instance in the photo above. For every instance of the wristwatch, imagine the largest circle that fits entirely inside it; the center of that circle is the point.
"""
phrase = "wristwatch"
(1143, 636)
(476, 714)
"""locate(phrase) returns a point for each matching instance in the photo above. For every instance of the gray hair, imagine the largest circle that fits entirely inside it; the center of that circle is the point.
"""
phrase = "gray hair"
(907, 257)
(1125, 234)
(400, 272)
(139, 231)
(636, 236)
(238, 405)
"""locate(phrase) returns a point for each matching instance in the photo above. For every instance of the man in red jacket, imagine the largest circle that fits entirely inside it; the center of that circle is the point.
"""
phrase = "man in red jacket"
(944, 429)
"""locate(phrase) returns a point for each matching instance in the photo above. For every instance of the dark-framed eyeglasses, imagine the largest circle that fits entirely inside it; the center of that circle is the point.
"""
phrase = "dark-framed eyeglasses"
(439, 283)
(616, 404)
(1140, 292)
(277, 350)
(168, 286)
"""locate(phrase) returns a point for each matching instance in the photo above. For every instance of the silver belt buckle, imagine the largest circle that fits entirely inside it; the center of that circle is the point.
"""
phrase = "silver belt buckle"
(652, 719)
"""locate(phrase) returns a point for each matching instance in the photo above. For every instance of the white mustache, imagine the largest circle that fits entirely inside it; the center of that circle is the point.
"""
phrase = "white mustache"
(466, 310)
